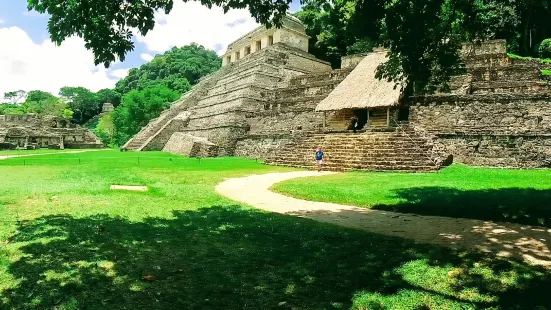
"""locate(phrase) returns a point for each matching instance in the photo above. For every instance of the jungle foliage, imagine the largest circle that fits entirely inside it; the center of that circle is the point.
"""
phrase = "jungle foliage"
(177, 69)
(138, 98)
(423, 36)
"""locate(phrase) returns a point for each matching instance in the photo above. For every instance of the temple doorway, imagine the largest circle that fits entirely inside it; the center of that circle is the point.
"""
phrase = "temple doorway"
(361, 115)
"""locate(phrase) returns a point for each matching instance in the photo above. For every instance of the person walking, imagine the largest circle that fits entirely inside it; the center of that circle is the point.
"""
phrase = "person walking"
(319, 158)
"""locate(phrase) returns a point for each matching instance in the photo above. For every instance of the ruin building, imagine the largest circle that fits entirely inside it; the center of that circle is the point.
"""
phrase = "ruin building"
(31, 131)
(272, 100)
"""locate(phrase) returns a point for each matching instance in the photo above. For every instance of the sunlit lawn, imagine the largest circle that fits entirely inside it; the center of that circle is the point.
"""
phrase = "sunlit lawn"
(521, 196)
(181, 246)
(33, 152)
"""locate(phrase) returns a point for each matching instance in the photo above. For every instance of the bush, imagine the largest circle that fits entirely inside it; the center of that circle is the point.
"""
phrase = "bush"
(105, 129)
(545, 48)
(361, 46)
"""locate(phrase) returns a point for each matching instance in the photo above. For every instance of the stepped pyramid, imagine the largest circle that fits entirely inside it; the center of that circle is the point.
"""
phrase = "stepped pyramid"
(261, 104)
(222, 108)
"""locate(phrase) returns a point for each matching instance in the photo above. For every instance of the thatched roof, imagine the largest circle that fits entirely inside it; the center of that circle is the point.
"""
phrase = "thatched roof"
(361, 89)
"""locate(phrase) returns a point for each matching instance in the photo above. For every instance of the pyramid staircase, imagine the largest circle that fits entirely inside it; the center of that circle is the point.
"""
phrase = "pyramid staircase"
(236, 87)
(393, 150)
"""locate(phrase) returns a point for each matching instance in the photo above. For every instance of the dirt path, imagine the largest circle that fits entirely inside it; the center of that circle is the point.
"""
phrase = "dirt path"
(39, 154)
(529, 243)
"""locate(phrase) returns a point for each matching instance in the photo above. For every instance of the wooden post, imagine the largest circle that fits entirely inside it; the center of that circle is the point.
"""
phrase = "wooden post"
(367, 123)
(324, 120)
(388, 117)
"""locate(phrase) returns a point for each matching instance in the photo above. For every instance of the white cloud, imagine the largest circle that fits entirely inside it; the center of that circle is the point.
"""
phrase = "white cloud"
(146, 57)
(190, 22)
(45, 66)
(2, 21)
(120, 73)
(33, 14)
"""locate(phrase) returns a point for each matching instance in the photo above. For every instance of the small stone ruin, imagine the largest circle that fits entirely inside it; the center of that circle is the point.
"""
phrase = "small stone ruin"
(31, 131)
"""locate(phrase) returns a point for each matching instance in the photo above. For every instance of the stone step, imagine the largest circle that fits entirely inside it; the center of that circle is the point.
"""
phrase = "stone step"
(290, 95)
(373, 150)
(317, 84)
(252, 78)
(339, 74)
(364, 168)
(363, 154)
(247, 91)
(256, 68)
(377, 151)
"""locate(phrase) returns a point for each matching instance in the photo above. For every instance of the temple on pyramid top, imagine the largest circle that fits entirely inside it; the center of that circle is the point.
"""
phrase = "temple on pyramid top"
(292, 33)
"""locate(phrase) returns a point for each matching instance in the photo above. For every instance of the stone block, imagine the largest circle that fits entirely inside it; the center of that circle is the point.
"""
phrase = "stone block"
(190, 146)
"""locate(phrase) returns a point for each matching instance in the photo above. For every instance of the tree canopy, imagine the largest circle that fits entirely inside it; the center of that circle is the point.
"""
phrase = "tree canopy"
(138, 108)
(82, 102)
(423, 36)
(177, 69)
(107, 26)
(39, 102)
(15, 96)
(138, 98)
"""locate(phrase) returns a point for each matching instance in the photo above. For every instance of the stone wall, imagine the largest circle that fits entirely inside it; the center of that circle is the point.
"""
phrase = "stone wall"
(261, 146)
(498, 130)
(34, 131)
(291, 113)
(481, 114)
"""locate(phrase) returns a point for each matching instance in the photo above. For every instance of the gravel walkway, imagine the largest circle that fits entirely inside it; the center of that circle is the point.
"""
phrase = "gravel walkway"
(528, 243)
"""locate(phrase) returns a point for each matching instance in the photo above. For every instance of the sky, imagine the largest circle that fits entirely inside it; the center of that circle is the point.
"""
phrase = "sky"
(30, 61)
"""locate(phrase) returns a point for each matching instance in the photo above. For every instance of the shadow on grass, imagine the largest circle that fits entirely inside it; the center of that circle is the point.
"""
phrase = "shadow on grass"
(235, 258)
(517, 205)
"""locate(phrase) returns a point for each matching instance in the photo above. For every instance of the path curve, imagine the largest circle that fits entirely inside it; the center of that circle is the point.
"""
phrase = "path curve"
(529, 243)
(40, 154)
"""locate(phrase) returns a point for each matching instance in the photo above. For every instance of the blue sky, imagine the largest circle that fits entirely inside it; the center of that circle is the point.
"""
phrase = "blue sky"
(28, 60)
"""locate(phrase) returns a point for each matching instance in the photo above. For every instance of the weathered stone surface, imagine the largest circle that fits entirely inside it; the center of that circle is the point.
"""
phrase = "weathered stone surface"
(497, 114)
(222, 104)
(32, 131)
(191, 146)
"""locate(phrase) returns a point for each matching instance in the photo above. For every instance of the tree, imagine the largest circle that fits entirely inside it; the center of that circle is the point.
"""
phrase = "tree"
(109, 96)
(82, 102)
(545, 48)
(39, 96)
(423, 36)
(107, 26)
(177, 69)
(105, 129)
(15, 96)
(138, 108)
(339, 28)
(67, 114)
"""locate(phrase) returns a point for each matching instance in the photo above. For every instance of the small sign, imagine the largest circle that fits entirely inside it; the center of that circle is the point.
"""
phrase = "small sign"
(129, 188)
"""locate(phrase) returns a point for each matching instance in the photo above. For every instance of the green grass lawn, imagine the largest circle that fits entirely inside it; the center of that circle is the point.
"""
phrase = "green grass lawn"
(32, 152)
(521, 196)
(546, 72)
(542, 60)
(80, 246)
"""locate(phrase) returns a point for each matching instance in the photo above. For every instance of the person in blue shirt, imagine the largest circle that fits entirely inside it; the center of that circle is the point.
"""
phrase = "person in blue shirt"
(319, 157)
